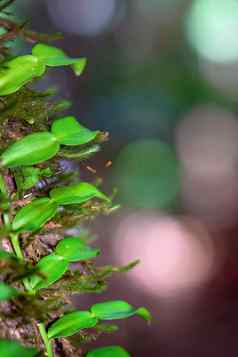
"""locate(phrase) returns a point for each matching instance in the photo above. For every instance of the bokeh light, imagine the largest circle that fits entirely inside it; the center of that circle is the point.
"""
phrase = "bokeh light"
(127, 111)
(147, 175)
(162, 8)
(221, 76)
(146, 23)
(212, 29)
(207, 145)
(89, 17)
(176, 255)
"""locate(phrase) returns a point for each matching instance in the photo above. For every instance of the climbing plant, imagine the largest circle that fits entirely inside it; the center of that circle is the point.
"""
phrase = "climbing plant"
(42, 201)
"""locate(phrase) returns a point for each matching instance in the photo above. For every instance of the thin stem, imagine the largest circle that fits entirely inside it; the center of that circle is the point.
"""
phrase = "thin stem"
(6, 221)
(18, 252)
(47, 342)
(16, 246)
(3, 187)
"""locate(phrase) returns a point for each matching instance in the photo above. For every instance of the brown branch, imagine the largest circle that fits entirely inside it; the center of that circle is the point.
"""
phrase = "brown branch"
(32, 36)
(15, 30)
(12, 30)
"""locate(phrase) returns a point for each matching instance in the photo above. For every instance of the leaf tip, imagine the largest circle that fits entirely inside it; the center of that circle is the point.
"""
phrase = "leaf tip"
(144, 313)
(79, 66)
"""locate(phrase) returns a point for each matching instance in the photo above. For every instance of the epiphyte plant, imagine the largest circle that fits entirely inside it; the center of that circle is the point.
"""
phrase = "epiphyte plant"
(36, 249)
(20, 70)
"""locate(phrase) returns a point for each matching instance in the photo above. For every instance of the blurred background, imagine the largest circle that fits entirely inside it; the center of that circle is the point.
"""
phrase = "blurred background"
(162, 78)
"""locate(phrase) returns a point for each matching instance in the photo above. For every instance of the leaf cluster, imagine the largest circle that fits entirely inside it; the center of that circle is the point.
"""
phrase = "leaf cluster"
(42, 266)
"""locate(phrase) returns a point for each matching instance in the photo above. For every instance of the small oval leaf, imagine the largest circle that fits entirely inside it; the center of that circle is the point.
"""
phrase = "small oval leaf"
(18, 71)
(51, 267)
(9, 348)
(118, 309)
(7, 292)
(54, 57)
(144, 313)
(71, 323)
(68, 131)
(30, 150)
(108, 351)
(79, 66)
(111, 310)
(46, 52)
(32, 216)
(75, 249)
(76, 194)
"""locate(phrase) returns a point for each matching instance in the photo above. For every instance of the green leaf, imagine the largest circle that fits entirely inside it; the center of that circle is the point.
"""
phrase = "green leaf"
(76, 194)
(75, 249)
(9, 348)
(118, 309)
(106, 328)
(46, 52)
(81, 154)
(79, 66)
(7, 292)
(30, 150)
(68, 131)
(51, 268)
(32, 216)
(27, 177)
(60, 106)
(108, 351)
(47, 172)
(4, 202)
(72, 323)
(54, 57)
(112, 310)
(18, 71)
(3, 187)
(6, 256)
(144, 313)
